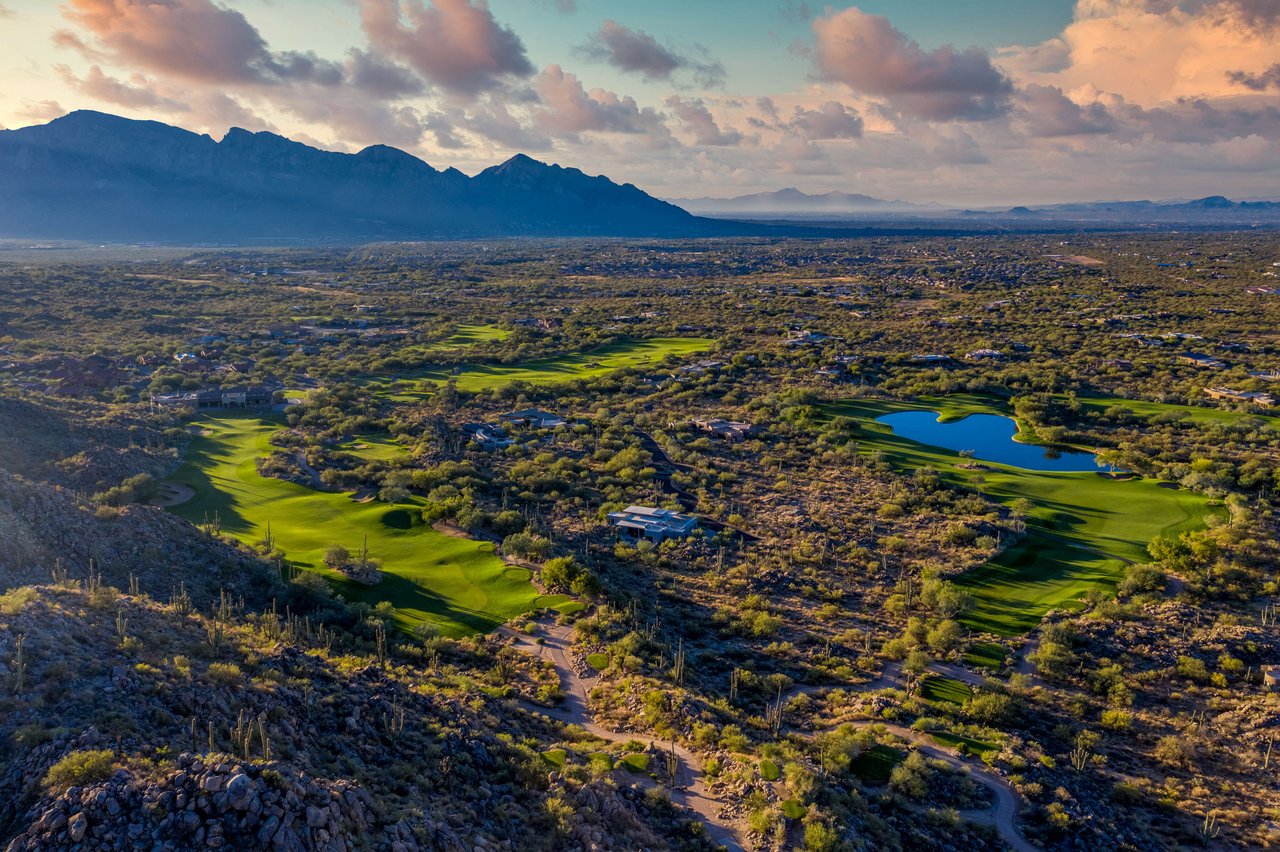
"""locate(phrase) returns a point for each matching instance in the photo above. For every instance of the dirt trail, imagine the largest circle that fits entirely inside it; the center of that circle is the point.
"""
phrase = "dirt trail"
(692, 790)
(693, 793)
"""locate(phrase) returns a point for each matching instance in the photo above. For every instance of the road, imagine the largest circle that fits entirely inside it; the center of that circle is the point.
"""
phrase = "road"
(692, 791)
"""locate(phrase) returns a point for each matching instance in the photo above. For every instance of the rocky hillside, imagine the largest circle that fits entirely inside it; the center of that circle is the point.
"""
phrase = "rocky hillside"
(129, 724)
(87, 447)
(45, 528)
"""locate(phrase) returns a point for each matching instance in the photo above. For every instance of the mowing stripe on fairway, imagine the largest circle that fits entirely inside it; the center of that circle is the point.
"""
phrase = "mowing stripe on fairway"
(456, 584)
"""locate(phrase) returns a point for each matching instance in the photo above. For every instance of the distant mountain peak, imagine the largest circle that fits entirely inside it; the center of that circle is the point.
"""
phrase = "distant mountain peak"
(92, 175)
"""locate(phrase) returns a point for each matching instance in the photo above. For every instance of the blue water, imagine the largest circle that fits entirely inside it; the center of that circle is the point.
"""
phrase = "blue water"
(990, 436)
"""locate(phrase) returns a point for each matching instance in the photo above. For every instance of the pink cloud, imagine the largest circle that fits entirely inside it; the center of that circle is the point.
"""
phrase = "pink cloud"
(456, 44)
(699, 121)
(195, 40)
(866, 53)
(569, 109)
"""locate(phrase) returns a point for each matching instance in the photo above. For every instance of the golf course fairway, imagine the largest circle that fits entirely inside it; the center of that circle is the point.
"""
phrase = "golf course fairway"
(1081, 531)
(456, 584)
(620, 355)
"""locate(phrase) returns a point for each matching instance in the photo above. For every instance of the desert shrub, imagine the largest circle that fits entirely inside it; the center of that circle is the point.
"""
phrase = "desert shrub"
(79, 769)
(224, 674)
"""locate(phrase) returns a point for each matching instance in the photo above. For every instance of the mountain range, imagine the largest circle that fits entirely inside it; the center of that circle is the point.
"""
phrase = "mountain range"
(795, 205)
(793, 202)
(89, 175)
(94, 176)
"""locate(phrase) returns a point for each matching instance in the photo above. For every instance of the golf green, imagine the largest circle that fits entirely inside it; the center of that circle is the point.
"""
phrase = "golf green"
(1082, 526)
(456, 584)
(467, 335)
(621, 355)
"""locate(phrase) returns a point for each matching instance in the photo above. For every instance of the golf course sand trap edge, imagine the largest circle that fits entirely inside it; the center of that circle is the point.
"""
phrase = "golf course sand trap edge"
(170, 494)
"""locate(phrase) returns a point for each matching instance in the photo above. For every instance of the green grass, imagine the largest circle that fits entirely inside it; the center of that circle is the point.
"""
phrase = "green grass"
(599, 662)
(467, 335)
(458, 585)
(556, 757)
(374, 448)
(600, 361)
(769, 770)
(637, 763)
(945, 689)
(1013, 592)
(971, 745)
(792, 808)
(985, 655)
(1195, 413)
(1081, 528)
(876, 763)
(600, 761)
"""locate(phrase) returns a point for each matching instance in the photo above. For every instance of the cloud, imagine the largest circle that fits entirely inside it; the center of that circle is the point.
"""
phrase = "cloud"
(795, 10)
(1269, 79)
(193, 40)
(37, 111)
(456, 44)
(370, 73)
(637, 52)
(1155, 51)
(866, 53)
(832, 120)
(1050, 113)
(140, 93)
(697, 119)
(569, 109)
(494, 121)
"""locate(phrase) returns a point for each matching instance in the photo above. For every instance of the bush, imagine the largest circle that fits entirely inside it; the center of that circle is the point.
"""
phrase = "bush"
(135, 489)
(79, 769)
(224, 674)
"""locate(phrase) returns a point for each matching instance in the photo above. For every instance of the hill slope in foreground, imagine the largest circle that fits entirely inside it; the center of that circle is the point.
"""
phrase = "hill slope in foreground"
(90, 175)
(140, 725)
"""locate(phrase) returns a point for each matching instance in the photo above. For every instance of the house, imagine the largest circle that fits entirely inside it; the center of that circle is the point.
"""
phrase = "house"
(534, 419)
(258, 397)
(730, 430)
(809, 338)
(1204, 362)
(931, 359)
(698, 368)
(1264, 400)
(488, 437)
(984, 355)
(656, 525)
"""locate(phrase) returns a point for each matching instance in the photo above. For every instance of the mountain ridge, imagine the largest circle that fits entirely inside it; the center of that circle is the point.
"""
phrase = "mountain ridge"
(99, 176)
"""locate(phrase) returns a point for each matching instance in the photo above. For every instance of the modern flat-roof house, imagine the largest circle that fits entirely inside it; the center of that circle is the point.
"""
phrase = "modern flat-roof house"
(730, 430)
(1204, 362)
(984, 354)
(1264, 400)
(534, 419)
(654, 524)
(218, 398)
(488, 437)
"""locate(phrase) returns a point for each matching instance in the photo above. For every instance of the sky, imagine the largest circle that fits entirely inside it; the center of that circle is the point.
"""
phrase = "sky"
(961, 102)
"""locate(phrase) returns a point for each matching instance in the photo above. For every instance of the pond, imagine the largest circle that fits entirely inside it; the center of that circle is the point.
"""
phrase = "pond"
(989, 436)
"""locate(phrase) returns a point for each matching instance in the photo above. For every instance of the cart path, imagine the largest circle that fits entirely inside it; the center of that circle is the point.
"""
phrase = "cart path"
(693, 794)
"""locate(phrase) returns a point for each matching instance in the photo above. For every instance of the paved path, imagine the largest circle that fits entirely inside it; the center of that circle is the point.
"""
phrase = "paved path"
(692, 791)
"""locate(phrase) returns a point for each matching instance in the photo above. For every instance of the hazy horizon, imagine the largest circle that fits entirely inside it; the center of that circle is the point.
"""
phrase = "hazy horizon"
(918, 101)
